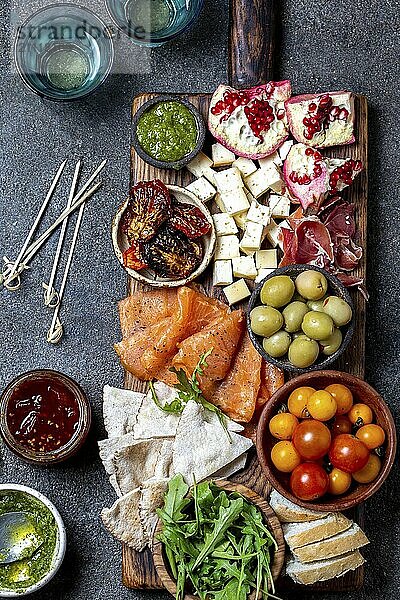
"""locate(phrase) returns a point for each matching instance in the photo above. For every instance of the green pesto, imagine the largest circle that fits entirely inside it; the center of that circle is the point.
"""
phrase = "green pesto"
(167, 131)
(20, 575)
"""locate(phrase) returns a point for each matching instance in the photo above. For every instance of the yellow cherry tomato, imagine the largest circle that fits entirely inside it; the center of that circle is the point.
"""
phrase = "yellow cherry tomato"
(339, 482)
(282, 425)
(362, 412)
(297, 401)
(372, 435)
(343, 397)
(370, 472)
(322, 405)
(285, 456)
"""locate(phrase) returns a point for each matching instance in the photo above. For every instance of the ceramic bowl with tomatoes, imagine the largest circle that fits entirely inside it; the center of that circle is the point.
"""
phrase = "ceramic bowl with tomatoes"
(326, 440)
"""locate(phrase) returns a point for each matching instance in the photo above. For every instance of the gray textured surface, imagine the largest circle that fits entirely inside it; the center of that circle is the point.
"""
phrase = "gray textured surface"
(325, 45)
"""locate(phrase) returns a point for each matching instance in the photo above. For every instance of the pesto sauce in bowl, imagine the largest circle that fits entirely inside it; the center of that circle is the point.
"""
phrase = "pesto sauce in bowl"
(167, 131)
(22, 574)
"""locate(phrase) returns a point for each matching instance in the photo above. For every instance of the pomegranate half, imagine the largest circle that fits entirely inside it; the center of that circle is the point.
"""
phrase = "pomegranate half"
(253, 122)
(322, 120)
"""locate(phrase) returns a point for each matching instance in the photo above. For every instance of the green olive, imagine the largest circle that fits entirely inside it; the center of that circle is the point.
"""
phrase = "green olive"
(316, 305)
(338, 310)
(277, 344)
(332, 344)
(277, 291)
(265, 320)
(312, 285)
(293, 314)
(317, 325)
(303, 352)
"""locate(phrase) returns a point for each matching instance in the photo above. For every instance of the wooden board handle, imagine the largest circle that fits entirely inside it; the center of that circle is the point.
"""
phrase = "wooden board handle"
(251, 42)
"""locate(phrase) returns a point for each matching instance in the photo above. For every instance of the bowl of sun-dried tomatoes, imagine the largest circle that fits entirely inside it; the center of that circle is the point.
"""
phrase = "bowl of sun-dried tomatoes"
(163, 235)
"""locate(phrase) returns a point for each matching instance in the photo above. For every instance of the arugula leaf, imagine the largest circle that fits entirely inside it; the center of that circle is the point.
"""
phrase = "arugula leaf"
(175, 498)
(175, 407)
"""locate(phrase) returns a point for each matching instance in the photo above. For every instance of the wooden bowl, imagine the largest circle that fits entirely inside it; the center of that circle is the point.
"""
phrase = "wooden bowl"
(335, 288)
(362, 392)
(271, 521)
(147, 276)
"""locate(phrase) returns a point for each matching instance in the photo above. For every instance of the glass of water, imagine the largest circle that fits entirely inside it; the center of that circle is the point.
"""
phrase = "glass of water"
(154, 22)
(63, 52)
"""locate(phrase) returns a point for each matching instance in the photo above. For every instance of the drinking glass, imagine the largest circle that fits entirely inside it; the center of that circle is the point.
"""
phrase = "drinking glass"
(154, 22)
(63, 52)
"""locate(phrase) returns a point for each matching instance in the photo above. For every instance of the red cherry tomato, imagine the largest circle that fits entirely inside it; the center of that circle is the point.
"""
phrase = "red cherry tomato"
(341, 424)
(348, 453)
(311, 439)
(309, 481)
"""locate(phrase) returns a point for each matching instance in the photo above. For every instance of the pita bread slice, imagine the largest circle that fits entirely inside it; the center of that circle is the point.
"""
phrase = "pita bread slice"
(107, 450)
(120, 409)
(152, 497)
(141, 461)
(201, 446)
(236, 465)
(123, 520)
(152, 422)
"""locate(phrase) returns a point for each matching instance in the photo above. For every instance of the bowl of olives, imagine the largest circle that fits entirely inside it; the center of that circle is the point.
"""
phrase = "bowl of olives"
(300, 318)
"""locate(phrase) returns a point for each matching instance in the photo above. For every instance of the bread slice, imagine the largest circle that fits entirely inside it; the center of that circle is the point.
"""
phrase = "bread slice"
(339, 544)
(322, 570)
(288, 512)
(300, 534)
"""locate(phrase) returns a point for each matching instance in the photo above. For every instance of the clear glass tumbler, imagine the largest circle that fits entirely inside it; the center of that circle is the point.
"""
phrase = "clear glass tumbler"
(154, 22)
(63, 52)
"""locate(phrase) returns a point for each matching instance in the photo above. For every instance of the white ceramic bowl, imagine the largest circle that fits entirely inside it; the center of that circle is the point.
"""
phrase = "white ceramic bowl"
(120, 243)
(61, 543)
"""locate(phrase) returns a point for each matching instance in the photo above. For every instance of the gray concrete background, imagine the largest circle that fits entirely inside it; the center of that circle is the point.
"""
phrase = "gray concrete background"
(325, 45)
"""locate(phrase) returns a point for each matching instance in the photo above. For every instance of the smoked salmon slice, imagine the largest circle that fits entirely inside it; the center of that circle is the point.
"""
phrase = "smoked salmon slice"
(272, 379)
(146, 308)
(237, 394)
(223, 335)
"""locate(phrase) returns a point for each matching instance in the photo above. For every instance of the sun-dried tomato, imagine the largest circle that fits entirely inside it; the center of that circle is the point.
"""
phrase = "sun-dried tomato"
(133, 258)
(149, 206)
(171, 254)
(189, 219)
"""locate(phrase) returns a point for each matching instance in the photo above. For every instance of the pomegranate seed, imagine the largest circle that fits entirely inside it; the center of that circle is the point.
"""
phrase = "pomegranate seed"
(317, 170)
(344, 113)
(325, 100)
(317, 156)
(335, 176)
(306, 180)
(280, 114)
(335, 110)
(293, 176)
(308, 134)
(312, 107)
(309, 152)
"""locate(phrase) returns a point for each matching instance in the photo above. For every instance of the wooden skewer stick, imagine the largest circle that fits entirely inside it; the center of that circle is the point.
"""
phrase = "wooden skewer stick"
(51, 296)
(56, 330)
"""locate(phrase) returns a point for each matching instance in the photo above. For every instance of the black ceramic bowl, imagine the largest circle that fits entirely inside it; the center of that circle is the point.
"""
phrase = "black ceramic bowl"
(335, 288)
(201, 132)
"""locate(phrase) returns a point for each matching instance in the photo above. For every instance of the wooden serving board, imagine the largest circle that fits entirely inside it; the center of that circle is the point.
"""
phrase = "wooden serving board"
(251, 53)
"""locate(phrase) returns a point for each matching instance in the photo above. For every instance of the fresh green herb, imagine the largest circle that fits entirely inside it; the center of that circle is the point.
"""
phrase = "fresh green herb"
(216, 543)
(175, 407)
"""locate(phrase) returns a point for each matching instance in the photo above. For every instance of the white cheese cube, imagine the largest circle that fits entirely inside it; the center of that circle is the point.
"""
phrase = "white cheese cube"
(219, 203)
(258, 213)
(262, 273)
(221, 156)
(224, 224)
(252, 237)
(228, 180)
(235, 201)
(244, 266)
(275, 180)
(249, 195)
(241, 219)
(237, 291)
(198, 164)
(284, 149)
(209, 174)
(272, 232)
(268, 161)
(256, 183)
(202, 189)
(222, 273)
(279, 205)
(266, 259)
(245, 165)
(227, 247)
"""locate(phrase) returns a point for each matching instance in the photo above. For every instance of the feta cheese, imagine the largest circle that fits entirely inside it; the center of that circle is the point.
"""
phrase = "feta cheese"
(258, 213)
(262, 273)
(245, 165)
(266, 259)
(235, 201)
(222, 273)
(252, 237)
(202, 189)
(224, 224)
(227, 247)
(241, 219)
(284, 149)
(209, 174)
(236, 291)
(244, 266)
(279, 206)
(228, 180)
(272, 233)
(219, 203)
(221, 156)
(198, 164)
(264, 179)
